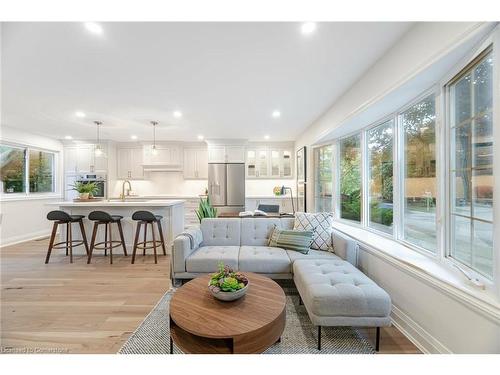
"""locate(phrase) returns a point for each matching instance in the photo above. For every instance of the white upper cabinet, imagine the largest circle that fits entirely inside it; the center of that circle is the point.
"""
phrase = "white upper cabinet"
(195, 163)
(235, 154)
(226, 154)
(269, 162)
(129, 163)
(168, 156)
(216, 154)
(81, 159)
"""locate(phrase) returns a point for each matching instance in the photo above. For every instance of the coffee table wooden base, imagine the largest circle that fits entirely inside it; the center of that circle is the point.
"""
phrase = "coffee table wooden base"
(265, 299)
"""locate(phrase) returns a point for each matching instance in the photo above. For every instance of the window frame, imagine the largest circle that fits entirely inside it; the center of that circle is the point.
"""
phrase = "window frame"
(490, 44)
(336, 164)
(316, 151)
(442, 155)
(26, 194)
(366, 162)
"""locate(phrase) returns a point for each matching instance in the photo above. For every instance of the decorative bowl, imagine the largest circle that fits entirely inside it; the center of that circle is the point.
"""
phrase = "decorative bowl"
(229, 296)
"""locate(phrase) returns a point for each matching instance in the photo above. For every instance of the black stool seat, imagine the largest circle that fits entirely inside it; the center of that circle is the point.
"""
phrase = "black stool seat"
(148, 218)
(60, 217)
(63, 217)
(104, 217)
(101, 217)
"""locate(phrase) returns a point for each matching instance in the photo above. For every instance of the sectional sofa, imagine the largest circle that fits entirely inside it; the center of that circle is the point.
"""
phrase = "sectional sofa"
(333, 290)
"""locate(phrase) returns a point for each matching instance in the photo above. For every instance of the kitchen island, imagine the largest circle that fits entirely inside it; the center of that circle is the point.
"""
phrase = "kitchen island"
(172, 211)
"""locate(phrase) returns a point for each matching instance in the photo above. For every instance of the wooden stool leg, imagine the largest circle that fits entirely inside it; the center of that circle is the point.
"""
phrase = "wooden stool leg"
(121, 237)
(105, 239)
(67, 243)
(145, 238)
(110, 244)
(84, 237)
(161, 237)
(70, 236)
(154, 241)
(137, 233)
(92, 242)
(51, 243)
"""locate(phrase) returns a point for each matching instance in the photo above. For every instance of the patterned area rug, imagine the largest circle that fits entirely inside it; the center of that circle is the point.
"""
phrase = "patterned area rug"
(299, 337)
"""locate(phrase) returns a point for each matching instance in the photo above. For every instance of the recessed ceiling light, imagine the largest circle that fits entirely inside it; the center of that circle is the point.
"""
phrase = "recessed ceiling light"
(276, 114)
(177, 114)
(68, 137)
(80, 114)
(133, 137)
(200, 137)
(308, 28)
(266, 136)
(93, 27)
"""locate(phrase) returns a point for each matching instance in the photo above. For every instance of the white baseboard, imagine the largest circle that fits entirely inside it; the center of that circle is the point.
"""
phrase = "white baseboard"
(422, 339)
(23, 238)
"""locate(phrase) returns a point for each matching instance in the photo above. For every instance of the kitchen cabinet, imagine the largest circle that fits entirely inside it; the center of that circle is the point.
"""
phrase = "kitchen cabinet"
(266, 162)
(129, 163)
(195, 163)
(226, 154)
(82, 159)
(167, 156)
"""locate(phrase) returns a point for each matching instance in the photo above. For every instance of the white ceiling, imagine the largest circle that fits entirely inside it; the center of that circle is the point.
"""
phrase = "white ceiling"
(226, 78)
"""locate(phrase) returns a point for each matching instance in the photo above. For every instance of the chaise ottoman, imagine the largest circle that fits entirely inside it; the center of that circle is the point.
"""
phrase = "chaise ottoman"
(335, 293)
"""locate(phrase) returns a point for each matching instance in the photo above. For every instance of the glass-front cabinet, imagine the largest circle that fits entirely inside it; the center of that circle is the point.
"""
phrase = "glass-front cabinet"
(269, 162)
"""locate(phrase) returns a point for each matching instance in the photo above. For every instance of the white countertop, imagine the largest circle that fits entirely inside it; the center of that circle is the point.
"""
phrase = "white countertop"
(130, 203)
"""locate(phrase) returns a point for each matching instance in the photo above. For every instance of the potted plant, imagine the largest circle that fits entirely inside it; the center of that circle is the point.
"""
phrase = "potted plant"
(85, 190)
(227, 285)
(205, 209)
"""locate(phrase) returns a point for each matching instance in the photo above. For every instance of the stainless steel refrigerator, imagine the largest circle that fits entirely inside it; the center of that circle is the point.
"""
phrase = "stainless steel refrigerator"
(226, 186)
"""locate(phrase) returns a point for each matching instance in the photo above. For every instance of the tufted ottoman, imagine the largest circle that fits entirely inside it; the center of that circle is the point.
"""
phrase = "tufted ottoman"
(335, 293)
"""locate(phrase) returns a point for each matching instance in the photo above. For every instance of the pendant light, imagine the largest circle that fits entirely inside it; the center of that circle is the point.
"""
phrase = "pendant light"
(154, 151)
(98, 149)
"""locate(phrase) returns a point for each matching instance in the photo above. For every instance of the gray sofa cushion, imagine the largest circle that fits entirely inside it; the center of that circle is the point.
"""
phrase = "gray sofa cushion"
(312, 254)
(335, 288)
(221, 232)
(256, 232)
(263, 259)
(207, 258)
(287, 222)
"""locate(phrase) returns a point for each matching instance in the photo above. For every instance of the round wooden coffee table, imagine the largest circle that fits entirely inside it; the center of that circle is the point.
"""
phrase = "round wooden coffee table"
(200, 324)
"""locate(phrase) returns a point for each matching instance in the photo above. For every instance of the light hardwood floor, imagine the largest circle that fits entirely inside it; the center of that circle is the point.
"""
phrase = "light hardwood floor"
(79, 308)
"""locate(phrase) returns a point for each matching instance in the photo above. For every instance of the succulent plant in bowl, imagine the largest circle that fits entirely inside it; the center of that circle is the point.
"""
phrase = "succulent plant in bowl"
(227, 285)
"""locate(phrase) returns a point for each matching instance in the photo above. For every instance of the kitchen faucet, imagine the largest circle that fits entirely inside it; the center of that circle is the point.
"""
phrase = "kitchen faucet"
(122, 196)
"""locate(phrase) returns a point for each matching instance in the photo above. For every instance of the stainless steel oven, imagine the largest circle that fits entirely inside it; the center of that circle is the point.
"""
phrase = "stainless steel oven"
(100, 181)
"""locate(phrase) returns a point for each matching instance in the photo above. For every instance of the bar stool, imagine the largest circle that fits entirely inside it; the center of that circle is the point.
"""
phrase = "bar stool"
(146, 217)
(101, 217)
(61, 217)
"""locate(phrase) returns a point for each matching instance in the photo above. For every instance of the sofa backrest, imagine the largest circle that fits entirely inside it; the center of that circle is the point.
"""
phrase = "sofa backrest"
(287, 222)
(221, 231)
(256, 232)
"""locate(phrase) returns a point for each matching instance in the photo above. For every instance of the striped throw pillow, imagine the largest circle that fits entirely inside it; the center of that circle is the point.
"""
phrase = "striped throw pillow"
(297, 240)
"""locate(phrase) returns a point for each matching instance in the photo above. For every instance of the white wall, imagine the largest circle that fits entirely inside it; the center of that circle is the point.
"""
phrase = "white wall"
(434, 319)
(23, 218)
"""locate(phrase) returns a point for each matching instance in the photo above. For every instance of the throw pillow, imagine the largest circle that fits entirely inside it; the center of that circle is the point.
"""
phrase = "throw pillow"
(297, 240)
(321, 223)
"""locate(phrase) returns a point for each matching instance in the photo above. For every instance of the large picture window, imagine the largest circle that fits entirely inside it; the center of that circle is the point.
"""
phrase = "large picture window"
(350, 178)
(323, 159)
(26, 171)
(471, 122)
(420, 186)
(380, 142)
